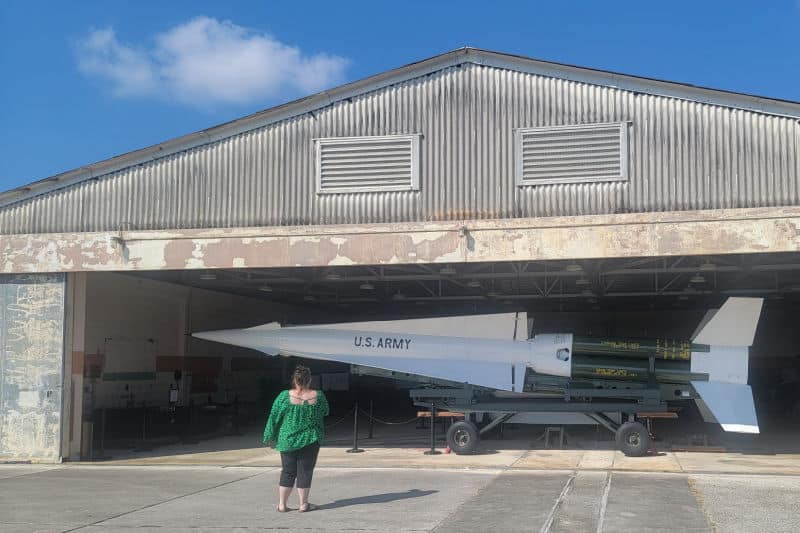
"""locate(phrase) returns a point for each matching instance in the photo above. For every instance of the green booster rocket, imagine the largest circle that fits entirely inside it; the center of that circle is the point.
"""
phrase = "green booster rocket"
(630, 359)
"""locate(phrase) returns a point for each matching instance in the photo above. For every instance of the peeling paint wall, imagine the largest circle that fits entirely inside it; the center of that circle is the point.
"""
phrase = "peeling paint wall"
(734, 231)
(31, 358)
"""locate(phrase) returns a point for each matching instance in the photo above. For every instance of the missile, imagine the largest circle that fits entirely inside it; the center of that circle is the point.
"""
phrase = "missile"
(490, 351)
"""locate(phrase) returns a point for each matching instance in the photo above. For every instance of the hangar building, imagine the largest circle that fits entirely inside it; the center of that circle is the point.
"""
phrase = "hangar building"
(470, 182)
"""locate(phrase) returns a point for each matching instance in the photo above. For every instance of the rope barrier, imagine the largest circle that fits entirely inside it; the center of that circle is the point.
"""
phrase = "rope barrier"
(345, 417)
(378, 420)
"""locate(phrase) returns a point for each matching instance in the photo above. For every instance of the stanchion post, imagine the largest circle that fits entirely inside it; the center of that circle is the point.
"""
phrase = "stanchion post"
(103, 434)
(355, 448)
(433, 450)
(144, 447)
(371, 420)
(91, 442)
(189, 437)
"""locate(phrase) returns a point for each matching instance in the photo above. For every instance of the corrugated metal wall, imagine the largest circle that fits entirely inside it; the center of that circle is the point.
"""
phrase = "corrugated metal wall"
(682, 156)
(31, 358)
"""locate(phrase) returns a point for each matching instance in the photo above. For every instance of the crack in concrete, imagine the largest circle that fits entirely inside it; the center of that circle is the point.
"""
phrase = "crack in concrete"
(698, 497)
(601, 515)
(551, 516)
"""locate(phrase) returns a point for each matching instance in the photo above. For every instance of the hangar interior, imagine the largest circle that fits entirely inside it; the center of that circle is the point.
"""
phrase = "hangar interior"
(138, 333)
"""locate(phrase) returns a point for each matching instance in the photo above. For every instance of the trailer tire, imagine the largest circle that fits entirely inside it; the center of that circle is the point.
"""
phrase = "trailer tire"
(463, 437)
(633, 439)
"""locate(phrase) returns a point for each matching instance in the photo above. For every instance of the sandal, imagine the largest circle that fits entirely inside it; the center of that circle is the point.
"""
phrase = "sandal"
(308, 507)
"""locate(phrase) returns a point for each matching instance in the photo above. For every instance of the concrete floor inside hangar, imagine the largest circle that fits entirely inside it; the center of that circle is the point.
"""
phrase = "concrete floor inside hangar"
(522, 447)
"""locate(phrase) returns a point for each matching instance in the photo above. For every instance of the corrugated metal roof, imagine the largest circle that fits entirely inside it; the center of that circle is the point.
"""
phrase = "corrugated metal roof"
(428, 66)
(681, 155)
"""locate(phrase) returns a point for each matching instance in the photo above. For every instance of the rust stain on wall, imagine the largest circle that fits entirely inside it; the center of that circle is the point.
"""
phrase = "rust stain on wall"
(178, 251)
(220, 253)
(307, 251)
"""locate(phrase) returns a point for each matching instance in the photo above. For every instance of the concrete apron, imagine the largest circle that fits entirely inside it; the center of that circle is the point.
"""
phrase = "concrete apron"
(506, 459)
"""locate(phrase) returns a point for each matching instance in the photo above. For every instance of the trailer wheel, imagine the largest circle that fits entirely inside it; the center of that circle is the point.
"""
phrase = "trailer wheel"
(463, 437)
(633, 439)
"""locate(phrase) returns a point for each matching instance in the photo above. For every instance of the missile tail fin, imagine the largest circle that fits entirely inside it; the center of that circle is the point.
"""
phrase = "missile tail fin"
(734, 324)
(728, 334)
(728, 404)
(726, 398)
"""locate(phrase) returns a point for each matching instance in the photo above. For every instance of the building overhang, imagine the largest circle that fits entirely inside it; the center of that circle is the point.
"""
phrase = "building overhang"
(728, 231)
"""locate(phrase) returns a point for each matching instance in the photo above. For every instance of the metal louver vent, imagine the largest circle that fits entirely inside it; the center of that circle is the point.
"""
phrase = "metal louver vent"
(364, 164)
(571, 154)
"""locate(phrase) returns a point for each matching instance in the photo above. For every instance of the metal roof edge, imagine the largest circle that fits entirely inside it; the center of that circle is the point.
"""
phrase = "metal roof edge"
(641, 84)
(250, 122)
(407, 72)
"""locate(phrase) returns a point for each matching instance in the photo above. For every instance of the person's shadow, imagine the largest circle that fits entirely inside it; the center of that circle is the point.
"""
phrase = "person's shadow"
(377, 498)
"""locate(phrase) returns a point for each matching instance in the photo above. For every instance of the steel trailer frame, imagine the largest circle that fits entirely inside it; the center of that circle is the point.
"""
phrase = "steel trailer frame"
(547, 394)
(468, 399)
(628, 402)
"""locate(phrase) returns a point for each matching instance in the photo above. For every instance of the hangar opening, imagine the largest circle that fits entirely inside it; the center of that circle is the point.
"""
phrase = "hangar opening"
(147, 382)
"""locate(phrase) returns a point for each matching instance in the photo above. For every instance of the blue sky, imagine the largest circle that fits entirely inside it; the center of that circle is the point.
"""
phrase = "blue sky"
(84, 81)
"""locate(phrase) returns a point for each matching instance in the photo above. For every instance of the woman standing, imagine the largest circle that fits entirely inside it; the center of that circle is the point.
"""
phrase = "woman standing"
(295, 422)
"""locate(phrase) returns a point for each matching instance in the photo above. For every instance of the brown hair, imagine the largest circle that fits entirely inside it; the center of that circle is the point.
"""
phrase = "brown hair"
(301, 377)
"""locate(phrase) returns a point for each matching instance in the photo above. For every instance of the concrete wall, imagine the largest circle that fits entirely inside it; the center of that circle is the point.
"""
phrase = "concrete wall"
(31, 358)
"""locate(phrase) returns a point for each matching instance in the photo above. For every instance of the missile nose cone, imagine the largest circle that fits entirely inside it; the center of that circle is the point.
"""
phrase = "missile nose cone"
(264, 338)
(223, 336)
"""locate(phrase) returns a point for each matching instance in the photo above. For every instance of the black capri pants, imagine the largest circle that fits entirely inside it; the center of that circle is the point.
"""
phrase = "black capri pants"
(299, 465)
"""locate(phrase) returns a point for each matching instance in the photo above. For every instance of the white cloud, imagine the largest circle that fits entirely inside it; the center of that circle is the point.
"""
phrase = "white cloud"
(129, 70)
(206, 61)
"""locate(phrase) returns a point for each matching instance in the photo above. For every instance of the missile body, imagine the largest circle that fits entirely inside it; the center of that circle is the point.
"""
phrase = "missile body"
(562, 355)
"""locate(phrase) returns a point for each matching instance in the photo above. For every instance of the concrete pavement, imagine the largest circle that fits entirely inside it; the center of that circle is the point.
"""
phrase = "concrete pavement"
(198, 499)
(229, 484)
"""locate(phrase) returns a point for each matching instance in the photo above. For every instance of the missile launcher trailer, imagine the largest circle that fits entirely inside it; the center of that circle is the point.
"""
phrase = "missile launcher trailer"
(599, 400)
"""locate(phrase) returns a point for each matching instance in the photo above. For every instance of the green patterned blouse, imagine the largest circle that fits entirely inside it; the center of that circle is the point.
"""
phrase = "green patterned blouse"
(295, 426)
